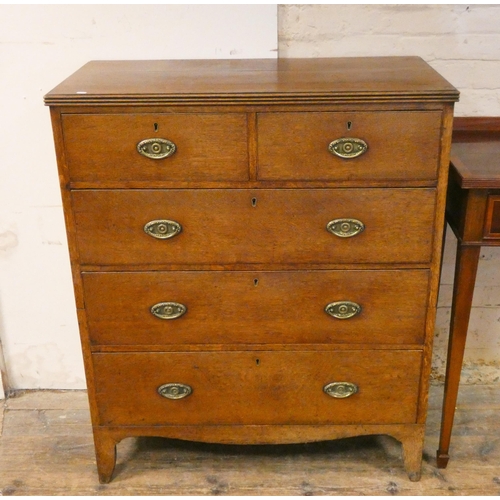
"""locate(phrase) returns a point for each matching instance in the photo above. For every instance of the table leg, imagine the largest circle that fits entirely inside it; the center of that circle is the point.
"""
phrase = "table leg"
(463, 289)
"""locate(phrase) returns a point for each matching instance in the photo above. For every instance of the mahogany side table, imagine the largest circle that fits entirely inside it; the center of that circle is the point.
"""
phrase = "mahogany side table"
(473, 212)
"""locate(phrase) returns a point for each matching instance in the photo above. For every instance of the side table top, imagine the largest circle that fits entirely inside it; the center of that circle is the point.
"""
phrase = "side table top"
(476, 165)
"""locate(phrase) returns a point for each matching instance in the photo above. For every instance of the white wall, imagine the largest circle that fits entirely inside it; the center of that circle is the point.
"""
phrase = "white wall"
(462, 42)
(39, 47)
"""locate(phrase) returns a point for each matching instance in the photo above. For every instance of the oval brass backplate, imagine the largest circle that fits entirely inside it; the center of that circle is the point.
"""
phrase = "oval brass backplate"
(348, 147)
(162, 229)
(156, 149)
(168, 310)
(174, 391)
(345, 228)
(340, 389)
(343, 309)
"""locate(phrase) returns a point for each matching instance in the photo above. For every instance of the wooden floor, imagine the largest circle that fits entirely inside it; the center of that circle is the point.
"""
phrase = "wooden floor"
(46, 448)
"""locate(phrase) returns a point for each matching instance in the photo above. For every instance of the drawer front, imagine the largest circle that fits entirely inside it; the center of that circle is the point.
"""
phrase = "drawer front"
(256, 307)
(254, 226)
(492, 220)
(261, 387)
(400, 146)
(208, 147)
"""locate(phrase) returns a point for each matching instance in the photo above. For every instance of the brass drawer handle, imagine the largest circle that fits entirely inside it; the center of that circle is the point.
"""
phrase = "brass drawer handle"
(343, 309)
(345, 228)
(174, 391)
(348, 147)
(340, 390)
(156, 149)
(168, 310)
(162, 229)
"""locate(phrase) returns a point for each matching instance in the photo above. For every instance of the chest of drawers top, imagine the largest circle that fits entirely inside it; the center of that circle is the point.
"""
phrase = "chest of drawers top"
(253, 81)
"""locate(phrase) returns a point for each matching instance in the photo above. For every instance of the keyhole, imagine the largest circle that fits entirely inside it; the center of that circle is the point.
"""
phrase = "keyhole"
(257, 361)
(349, 125)
(156, 127)
(255, 282)
(254, 202)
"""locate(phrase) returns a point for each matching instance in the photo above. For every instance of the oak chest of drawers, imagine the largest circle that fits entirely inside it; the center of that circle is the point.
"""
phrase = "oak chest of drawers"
(255, 245)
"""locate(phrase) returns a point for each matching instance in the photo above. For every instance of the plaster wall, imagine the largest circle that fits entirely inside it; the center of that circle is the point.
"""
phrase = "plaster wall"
(462, 42)
(40, 45)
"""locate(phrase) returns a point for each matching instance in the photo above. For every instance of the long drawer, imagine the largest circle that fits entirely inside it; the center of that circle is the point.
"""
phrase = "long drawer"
(237, 226)
(264, 387)
(161, 308)
(208, 147)
(396, 145)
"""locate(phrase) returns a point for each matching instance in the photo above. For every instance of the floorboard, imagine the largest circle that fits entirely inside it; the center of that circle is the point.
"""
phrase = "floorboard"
(46, 448)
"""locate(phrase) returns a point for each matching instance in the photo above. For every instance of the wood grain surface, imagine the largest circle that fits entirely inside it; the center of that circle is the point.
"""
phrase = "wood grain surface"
(254, 81)
(477, 164)
(223, 226)
(279, 387)
(209, 146)
(401, 145)
(256, 307)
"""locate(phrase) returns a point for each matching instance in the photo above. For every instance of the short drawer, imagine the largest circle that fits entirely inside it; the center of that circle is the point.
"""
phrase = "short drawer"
(401, 145)
(492, 219)
(254, 226)
(161, 308)
(208, 147)
(261, 387)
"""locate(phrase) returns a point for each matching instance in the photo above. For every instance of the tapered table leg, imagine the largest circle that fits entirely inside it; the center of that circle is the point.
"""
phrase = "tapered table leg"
(463, 290)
